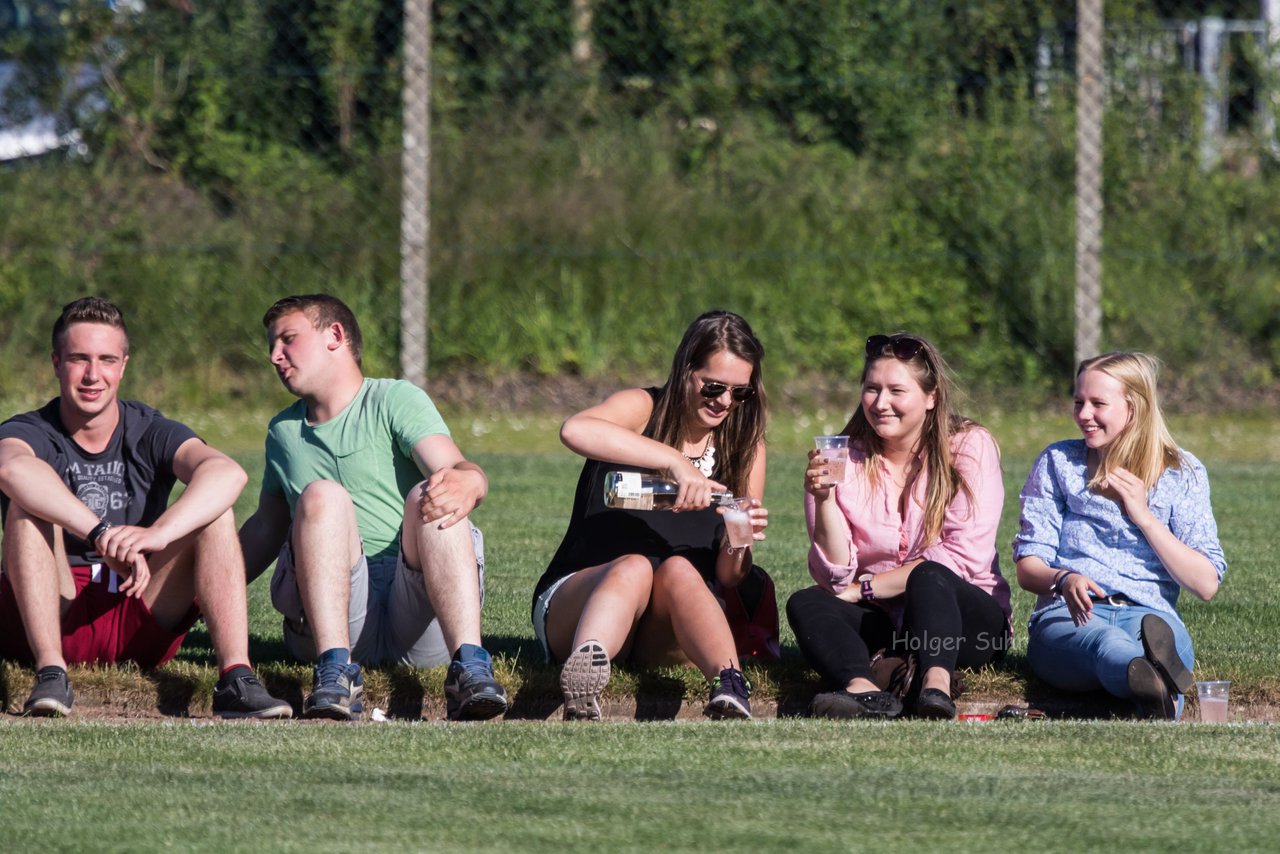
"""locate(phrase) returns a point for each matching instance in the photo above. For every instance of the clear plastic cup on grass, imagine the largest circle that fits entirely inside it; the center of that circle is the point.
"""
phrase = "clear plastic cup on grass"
(1213, 701)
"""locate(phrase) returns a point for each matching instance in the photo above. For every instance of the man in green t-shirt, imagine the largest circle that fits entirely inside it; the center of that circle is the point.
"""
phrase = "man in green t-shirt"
(375, 564)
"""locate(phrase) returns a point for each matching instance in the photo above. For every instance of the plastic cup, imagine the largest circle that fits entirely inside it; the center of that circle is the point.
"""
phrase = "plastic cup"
(737, 522)
(835, 453)
(1213, 701)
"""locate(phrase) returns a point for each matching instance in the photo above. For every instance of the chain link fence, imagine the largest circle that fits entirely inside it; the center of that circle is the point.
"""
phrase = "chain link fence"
(585, 176)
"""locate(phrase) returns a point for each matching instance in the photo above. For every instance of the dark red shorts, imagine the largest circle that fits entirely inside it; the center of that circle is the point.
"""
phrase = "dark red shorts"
(100, 627)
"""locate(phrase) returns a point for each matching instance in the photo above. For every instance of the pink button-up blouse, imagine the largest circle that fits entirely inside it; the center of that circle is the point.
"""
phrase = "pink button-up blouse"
(880, 539)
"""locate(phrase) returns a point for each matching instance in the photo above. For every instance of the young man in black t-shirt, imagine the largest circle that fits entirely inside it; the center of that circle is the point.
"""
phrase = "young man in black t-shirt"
(97, 566)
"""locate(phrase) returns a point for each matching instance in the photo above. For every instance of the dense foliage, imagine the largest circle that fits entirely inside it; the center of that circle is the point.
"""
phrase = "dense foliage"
(830, 169)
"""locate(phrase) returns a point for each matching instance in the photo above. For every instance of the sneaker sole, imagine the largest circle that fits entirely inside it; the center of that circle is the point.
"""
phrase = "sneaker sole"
(336, 711)
(481, 707)
(584, 675)
(330, 712)
(1149, 690)
(275, 712)
(47, 708)
(726, 708)
(1162, 651)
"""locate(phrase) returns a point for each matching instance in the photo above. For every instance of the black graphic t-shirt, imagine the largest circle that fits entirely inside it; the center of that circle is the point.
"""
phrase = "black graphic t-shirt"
(128, 483)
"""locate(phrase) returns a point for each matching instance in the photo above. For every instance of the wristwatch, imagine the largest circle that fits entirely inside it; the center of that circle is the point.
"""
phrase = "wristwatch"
(868, 595)
(98, 530)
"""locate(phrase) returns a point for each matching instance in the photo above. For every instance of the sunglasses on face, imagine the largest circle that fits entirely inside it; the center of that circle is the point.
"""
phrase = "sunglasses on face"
(712, 390)
(902, 347)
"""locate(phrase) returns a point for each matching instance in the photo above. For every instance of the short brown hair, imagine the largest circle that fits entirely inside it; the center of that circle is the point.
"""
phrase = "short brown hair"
(323, 309)
(88, 310)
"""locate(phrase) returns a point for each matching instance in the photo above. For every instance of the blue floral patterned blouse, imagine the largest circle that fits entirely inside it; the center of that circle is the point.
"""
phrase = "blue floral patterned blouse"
(1069, 527)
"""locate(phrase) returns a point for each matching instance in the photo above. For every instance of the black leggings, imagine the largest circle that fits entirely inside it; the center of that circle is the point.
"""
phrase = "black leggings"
(947, 622)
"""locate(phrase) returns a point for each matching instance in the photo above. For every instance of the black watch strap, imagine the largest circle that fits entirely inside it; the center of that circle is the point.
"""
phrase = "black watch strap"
(98, 530)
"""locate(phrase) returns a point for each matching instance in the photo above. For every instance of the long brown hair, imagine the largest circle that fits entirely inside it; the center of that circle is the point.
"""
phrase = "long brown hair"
(742, 430)
(1145, 446)
(941, 425)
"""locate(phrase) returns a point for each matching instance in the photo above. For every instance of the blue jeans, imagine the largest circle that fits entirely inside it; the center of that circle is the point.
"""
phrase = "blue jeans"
(1097, 654)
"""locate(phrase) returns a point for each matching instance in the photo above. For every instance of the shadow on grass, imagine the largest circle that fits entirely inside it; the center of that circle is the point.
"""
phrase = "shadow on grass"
(659, 697)
(175, 692)
(405, 693)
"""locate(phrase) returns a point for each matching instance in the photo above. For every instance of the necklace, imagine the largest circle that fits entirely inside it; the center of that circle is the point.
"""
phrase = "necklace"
(706, 461)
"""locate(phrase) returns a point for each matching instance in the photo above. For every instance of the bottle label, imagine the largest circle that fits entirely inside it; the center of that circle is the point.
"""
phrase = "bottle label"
(628, 485)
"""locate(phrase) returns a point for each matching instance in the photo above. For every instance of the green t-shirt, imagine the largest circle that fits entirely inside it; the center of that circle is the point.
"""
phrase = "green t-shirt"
(368, 448)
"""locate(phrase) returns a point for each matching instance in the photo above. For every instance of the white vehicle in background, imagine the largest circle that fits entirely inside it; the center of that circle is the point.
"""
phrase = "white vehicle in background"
(29, 128)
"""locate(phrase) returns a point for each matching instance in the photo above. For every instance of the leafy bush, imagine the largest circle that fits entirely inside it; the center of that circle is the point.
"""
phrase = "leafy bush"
(830, 170)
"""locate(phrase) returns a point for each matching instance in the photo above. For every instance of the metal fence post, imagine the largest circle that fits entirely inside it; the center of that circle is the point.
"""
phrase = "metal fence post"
(583, 51)
(1214, 116)
(415, 192)
(1090, 92)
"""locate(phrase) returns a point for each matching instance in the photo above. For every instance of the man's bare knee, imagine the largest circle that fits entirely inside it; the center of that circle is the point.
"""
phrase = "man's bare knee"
(321, 498)
(220, 530)
(22, 530)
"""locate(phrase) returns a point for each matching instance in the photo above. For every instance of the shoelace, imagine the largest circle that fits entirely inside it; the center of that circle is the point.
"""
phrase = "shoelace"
(476, 668)
(330, 671)
(735, 682)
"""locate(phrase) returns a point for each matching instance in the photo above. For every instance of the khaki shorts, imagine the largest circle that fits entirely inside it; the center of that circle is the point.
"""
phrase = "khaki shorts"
(390, 618)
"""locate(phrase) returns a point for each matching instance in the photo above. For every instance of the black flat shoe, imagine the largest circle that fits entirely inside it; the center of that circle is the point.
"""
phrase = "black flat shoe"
(1149, 690)
(935, 705)
(843, 705)
(1162, 651)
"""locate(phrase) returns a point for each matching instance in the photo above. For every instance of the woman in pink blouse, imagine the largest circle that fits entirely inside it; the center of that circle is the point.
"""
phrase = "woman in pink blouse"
(904, 548)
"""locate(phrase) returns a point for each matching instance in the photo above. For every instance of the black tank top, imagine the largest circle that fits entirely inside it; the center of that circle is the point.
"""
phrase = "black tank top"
(598, 534)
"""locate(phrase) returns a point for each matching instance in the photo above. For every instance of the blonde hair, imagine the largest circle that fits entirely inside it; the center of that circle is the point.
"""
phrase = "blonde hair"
(1144, 447)
(941, 425)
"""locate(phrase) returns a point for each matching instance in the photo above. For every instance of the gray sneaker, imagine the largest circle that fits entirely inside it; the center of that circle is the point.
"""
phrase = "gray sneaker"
(471, 693)
(51, 696)
(730, 696)
(335, 692)
(582, 678)
(239, 694)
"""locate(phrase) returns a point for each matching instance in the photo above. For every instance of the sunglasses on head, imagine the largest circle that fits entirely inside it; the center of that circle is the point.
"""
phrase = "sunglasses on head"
(712, 390)
(902, 347)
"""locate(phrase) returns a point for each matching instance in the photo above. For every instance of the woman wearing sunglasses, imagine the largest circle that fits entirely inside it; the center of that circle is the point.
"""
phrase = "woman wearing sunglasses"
(637, 583)
(1114, 525)
(904, 549)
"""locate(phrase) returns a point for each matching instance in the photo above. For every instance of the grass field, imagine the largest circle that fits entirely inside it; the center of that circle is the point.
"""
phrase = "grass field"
(774, 783)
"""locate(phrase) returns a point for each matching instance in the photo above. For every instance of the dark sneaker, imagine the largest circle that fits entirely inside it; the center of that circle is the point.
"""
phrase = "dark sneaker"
(51, 696)
(470, 691)
(845, 705)
(335, 692)
(730, 696)
(1162, 651)
(583, 677)
(1149, 691)
(239, 694)
(935, 705)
